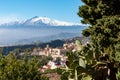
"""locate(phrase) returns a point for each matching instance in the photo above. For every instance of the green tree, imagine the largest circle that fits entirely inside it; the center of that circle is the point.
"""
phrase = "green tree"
(103, 18)
(99, 59)
(13, 69)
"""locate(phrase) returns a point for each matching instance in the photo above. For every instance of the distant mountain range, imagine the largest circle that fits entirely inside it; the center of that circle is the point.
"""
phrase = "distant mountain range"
(47, 38)
(37, 29)
(40, 21)
(53, 44)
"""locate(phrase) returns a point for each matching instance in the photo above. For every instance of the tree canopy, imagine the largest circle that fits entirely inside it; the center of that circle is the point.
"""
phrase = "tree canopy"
(99, 59)
(103, 18)
(12, 68)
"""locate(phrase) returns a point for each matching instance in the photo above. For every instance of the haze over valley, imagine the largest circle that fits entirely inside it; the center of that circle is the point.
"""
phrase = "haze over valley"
(37, 29)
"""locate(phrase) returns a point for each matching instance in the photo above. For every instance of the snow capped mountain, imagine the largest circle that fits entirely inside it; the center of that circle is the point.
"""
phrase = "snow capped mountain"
(41, 21)
(37, 29)
(51, 22)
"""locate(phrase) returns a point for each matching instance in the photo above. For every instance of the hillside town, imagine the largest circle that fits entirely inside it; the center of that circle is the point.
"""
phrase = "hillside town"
(58, 54)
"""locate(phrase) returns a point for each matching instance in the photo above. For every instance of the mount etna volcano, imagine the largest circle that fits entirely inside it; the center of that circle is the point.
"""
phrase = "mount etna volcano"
(41, 29)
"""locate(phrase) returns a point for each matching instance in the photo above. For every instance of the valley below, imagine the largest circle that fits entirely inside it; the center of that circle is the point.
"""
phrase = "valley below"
(37, 30)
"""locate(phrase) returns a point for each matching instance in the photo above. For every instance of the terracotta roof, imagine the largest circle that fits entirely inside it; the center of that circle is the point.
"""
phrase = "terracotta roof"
(53, 76)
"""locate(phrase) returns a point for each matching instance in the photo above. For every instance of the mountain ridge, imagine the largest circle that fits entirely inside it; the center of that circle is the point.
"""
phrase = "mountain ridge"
(38, 27)
(53, 43)
(41, 21)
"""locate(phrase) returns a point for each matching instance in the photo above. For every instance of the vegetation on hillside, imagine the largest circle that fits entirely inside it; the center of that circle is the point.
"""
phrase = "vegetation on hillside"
(12, 68)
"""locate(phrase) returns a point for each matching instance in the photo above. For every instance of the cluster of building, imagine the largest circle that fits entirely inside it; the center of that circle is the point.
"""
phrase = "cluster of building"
(55, 53)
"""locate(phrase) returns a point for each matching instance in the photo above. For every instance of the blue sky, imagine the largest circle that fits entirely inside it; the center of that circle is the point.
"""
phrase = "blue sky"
(64, 10)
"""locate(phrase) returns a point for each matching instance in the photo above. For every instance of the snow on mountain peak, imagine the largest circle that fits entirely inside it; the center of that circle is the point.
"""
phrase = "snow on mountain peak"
(51, 22)
(36, 18)
(42, 21)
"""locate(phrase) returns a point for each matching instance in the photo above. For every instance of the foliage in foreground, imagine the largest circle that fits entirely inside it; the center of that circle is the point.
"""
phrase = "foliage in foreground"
(14, 69)
(83, 65)
(99, 60)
